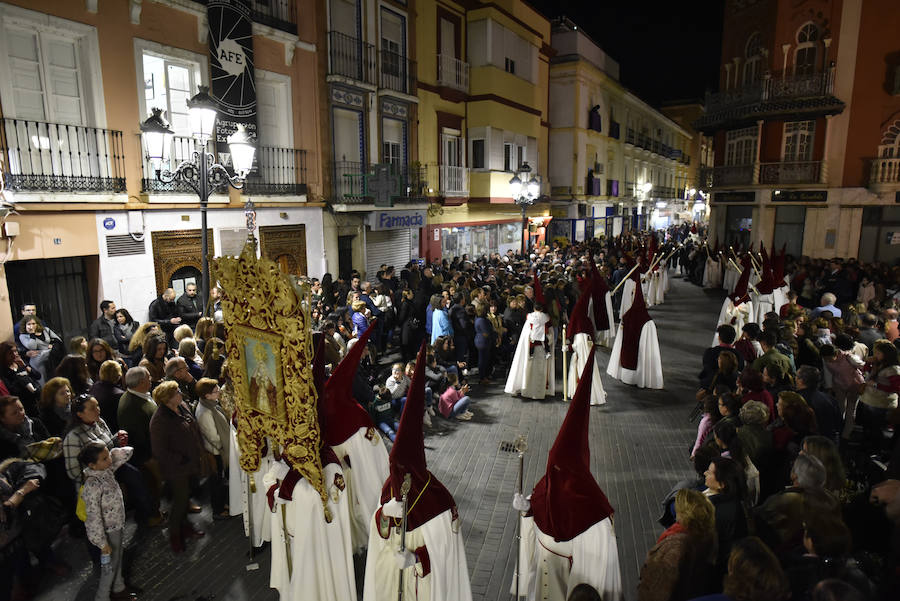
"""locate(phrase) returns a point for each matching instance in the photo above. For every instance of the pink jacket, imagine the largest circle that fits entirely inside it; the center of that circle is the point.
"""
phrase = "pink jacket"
(448, 400)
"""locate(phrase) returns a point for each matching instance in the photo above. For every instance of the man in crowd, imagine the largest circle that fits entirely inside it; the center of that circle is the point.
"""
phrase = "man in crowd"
(190, 306)
(827, 304)
(104, 326)
(177, 371)
(164, 311)
(770, 355)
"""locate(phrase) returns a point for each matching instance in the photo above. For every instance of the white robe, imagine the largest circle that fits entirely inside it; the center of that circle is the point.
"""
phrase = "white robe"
(712, 274)
(742, 314)
(627, 297)
(581, 349)
(449, 577)
(321, 552)
(237, 495)
(780, 297)
(533, 375)
(545, 569)
(648, 373)
(730, 279)
(368, 469)
(645, 288)
(762, 304)
(664, 276)
(605, 337)
(656, 288)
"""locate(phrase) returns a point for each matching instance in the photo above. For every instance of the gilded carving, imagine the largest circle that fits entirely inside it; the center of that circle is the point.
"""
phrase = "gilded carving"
(269, 349)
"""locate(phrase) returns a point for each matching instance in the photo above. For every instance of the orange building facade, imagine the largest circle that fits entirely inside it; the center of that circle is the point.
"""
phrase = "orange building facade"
(805, 127)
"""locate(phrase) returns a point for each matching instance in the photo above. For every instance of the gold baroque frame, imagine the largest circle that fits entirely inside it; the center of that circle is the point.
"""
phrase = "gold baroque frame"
(261, 304)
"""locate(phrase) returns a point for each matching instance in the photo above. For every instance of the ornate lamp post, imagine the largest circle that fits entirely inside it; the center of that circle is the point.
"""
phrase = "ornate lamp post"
(525, 189)
(201, 173)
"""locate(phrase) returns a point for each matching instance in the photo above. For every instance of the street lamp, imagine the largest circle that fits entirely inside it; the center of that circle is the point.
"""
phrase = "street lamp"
(525, 189)
(201, 173)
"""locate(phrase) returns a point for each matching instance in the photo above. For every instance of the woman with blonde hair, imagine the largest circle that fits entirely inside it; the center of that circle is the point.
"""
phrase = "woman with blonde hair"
(187, 350)
(679, 566)
(183, 331)
(205, 329)
(136, 346)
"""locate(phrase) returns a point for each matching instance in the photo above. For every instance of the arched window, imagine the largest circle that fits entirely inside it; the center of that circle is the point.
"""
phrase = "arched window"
(753, 59)
(807, 53)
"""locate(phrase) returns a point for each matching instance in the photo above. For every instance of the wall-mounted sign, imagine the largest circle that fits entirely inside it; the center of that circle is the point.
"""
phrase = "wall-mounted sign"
(740, 196)
(799, 195)
(109, 223)
(231, 69)
(396, 220)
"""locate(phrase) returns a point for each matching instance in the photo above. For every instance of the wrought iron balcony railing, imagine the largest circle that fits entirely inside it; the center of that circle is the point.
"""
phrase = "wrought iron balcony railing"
(726, 175)
(52, 157)
(398, 73)
(629, 136)
(280, 171)
(349, 181)
(280, 14)
(354, 183)
(884, 171)
(452, 72)
(181, 150)
(798, 172)
(351, 57)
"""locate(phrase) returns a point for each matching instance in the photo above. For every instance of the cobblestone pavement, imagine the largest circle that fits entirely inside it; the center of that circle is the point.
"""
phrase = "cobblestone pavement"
(639, 448)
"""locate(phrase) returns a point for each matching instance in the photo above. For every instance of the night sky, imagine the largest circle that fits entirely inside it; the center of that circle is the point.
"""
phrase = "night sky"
(666, 51)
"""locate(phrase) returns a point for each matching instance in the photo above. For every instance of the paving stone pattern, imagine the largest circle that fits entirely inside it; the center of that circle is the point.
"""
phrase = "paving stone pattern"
(639, 447)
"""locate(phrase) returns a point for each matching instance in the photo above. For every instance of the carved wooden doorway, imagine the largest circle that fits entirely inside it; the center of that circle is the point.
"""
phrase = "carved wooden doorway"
(175, 250)
(286, 245)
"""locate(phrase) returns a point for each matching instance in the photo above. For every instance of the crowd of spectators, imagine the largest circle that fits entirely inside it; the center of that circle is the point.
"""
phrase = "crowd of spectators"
(790, 411)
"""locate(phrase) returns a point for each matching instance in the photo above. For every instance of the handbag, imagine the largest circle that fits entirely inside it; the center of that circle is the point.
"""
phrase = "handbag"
(81, 506)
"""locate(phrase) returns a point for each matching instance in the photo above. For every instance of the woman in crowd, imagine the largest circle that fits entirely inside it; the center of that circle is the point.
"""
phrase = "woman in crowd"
(359, 319)
(125, 329)
(440, 319)
(410, 326)
(37, 340)
(99, 351)
(729, 408)
(136, 346)
(107, 390)
(710, 417)
(17, 430)
(87, 426)
(78, 346)
(752, 388)
(178, 448)
(213, 358)
(826, 451)
(205, 329)
(216, 431)
(55, 410)
(75, 369)
(154, 361)
(729, 443)
(726, 489)
(881, 389)
(187, 350)
(485, 341)
(678, 567)
(754, 574)
(20, 380)
(776, 380)
(181, 332)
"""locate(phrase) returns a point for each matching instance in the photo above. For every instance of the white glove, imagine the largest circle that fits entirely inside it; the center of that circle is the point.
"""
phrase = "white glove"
(393, 509)
(520, 503)
(404, 559)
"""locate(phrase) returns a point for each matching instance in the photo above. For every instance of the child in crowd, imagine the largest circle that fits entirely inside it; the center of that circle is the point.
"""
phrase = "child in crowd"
(398, 384)
(382, 412)
(105, 509)
(455, 401)
(435, 375)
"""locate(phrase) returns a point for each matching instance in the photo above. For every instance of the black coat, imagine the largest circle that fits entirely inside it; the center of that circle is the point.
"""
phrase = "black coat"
(189, 309)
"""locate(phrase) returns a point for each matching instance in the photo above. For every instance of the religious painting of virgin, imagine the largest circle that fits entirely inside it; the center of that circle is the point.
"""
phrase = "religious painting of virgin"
(261, 358)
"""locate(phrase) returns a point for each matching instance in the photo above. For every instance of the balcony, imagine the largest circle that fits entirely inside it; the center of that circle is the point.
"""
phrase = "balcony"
(663, 192)
(612, 187)
(775, 96)
(454, 180)
(629, 136)
(803, 172)
(452, 72)
(354, 183)
(726, 175)
(595, 121)
(398, 73)
(884, 172)
(280, 171)
(181, 150)
(350, 57)
(51, 157)
(614, 129)
(594, 186)
(279, 14)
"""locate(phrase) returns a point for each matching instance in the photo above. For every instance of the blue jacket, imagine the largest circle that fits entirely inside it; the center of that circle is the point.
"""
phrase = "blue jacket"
(360, 323)
(484, 333)
(440, 325)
